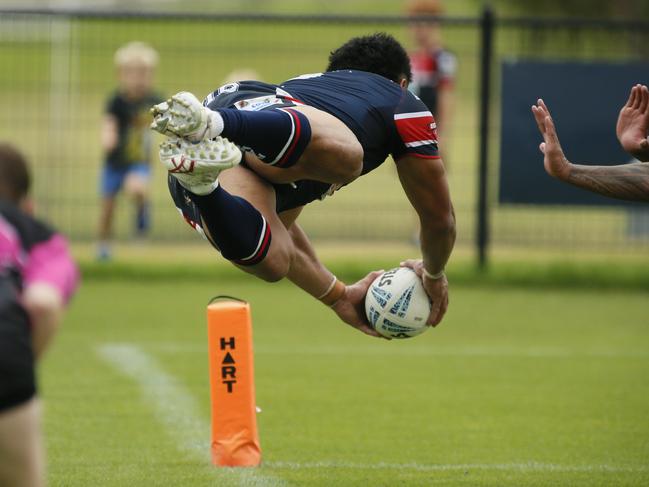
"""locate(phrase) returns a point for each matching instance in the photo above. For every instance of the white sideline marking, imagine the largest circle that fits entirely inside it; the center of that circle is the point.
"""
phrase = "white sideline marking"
(432, 351)
(520, 467)
(175, 408)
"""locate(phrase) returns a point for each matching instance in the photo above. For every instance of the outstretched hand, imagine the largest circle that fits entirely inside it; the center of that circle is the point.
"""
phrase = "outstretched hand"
(554, 160)
(437, 290)
(351, 306)
(633, 123)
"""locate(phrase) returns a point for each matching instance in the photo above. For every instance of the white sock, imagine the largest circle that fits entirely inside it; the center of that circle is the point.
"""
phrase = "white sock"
(214, 124)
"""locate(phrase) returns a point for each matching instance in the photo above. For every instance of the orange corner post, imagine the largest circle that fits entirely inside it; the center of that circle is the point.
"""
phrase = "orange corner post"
(235, 440)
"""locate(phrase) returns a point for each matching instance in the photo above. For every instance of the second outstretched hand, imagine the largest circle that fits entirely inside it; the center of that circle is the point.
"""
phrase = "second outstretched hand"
(633, 123)
(555, 162)
(350, 308)
(437, 290)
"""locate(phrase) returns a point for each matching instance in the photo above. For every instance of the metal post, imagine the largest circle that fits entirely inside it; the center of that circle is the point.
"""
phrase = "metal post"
(487, 27)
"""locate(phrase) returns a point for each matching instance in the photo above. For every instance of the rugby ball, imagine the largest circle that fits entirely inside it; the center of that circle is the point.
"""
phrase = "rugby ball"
(396, 304)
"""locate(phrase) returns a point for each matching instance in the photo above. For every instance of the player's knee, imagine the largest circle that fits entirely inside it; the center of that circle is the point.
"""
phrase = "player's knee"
(273, 268)
(138, 192)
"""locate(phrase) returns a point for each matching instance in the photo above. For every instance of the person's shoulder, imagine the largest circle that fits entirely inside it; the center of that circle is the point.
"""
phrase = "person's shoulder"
(30, 230)
(355, 73)
(409, 103)
(115, 102)
(445, 52)
(117, 97)
(340, 74)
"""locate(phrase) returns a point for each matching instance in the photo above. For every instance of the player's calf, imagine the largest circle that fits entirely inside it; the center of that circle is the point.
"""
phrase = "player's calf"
(238, 231)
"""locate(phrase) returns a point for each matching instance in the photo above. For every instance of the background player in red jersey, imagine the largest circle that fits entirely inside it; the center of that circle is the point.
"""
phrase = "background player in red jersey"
(303, 140)
(627, 181)
(433, 66)
(37, 278)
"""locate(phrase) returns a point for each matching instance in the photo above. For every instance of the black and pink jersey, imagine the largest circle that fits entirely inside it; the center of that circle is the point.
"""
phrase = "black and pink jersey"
(31, 252)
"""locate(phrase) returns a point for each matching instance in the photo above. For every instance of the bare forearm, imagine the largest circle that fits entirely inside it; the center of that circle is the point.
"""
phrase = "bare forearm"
(627, 182)
(437, 241)
(306, 271)
(44, 304)
(109, 133)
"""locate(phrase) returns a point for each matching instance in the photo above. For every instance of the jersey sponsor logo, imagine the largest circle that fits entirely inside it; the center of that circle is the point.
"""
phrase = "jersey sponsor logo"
(229, 88)
(259, 103)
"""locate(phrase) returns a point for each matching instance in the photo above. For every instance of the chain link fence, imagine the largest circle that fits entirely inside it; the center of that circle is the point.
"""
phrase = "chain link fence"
(57, 73)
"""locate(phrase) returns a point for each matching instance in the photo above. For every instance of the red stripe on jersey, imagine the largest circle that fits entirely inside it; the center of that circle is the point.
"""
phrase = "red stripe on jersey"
(416, 128)
(290, 98)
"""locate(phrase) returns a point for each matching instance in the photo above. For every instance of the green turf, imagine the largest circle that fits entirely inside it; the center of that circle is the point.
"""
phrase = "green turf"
(517, 387)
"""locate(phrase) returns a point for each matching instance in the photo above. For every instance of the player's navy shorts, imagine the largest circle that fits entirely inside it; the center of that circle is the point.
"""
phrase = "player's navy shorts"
(17, 375)
(254, 95)
(287, 196)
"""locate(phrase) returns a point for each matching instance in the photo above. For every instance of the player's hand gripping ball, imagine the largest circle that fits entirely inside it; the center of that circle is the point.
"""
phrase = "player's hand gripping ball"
(396, 304)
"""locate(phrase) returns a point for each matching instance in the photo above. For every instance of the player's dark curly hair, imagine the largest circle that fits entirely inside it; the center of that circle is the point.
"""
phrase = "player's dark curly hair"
(378, 53)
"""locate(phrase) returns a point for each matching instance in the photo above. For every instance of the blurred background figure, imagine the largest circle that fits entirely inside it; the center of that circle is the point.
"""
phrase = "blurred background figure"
(126, 140)
(37, 278)
(241, 75)
(433, 67)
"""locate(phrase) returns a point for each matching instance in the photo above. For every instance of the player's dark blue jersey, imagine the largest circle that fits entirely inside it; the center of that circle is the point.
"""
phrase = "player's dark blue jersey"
(386, 118)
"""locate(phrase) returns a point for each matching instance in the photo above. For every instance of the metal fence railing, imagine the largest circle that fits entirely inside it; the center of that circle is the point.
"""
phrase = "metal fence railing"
(58, 71)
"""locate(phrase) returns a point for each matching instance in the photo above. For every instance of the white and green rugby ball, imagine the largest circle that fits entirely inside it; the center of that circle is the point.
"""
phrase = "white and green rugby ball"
(397, 305)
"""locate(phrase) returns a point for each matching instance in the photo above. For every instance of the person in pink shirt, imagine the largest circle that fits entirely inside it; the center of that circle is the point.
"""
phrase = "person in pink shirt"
(37, 280)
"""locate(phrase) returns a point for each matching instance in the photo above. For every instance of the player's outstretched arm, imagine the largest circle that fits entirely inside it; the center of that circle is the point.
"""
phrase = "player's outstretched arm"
(308, 273)
(425, 184)
(628, 181)
(633, 123)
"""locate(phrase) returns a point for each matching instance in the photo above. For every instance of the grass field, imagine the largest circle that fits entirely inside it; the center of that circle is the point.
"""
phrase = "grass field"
(519, 386)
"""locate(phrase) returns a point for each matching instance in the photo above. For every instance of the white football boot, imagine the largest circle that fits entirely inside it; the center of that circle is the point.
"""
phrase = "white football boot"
(183, 115)
(197, 166)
